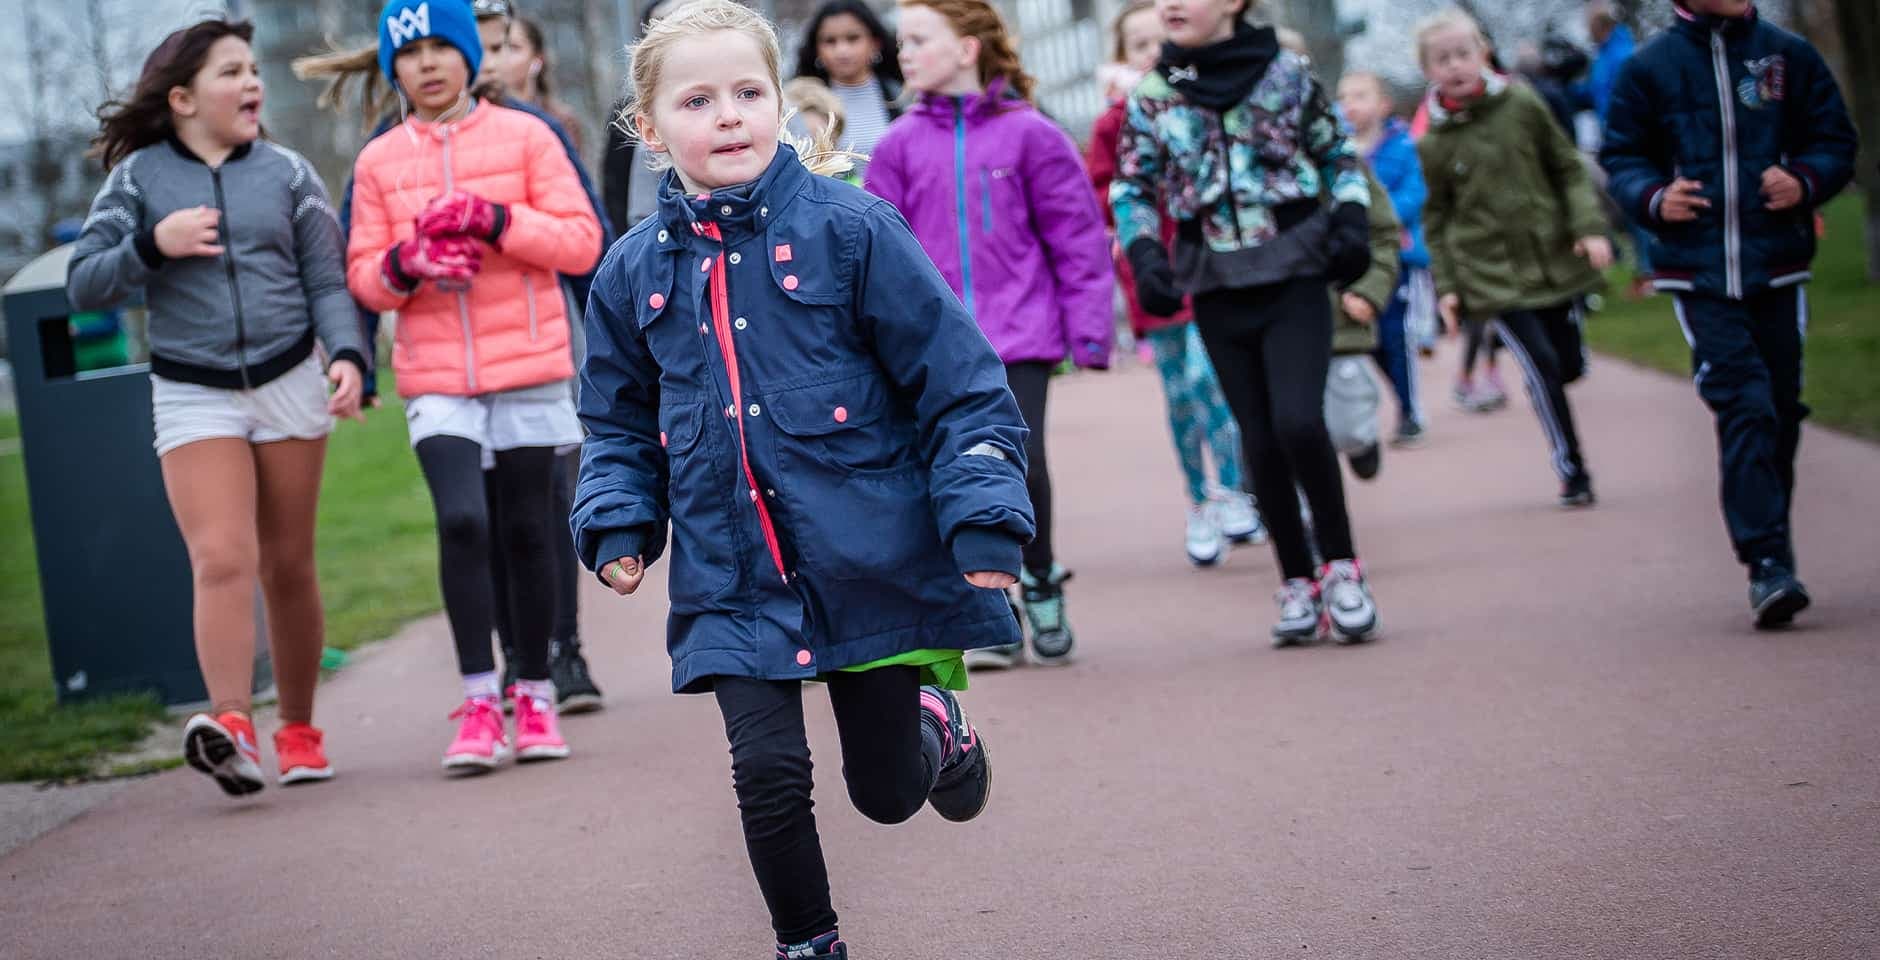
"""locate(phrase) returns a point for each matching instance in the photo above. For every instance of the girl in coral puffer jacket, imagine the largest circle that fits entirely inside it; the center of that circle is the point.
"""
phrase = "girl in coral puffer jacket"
(462, 217)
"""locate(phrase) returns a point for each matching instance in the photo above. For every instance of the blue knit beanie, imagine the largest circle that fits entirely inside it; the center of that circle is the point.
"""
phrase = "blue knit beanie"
(451, 21)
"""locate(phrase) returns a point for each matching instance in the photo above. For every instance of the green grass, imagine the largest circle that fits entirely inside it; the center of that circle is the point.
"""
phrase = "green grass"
(378, 569)
(9, 426)
(1843, 340)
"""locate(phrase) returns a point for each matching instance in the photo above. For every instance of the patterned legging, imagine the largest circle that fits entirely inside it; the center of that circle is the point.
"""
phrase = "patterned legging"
(1197, 413)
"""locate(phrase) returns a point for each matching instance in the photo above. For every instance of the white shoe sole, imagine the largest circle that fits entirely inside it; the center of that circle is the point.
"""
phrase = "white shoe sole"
(530, 754)
(476, 762)
(208, 747)
(988, 658)
(1350, 637)
(1206, 560)
(306, 775)
(580, 703)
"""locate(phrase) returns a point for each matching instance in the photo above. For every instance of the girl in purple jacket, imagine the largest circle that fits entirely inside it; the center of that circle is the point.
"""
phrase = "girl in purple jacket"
(997, 196)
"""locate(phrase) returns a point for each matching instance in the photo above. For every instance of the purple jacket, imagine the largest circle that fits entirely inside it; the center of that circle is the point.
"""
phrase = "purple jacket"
(998, 197)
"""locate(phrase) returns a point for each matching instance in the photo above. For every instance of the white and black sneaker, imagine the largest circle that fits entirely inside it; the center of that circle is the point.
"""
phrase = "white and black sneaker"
(1299, 613)
(1349, 608)
(1238, 517)
(1204, 540)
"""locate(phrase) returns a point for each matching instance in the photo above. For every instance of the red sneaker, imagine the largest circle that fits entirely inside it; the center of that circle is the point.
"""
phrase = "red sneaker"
(223, 746)
(299, 747)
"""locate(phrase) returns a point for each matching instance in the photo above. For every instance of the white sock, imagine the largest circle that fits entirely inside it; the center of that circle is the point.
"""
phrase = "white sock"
(542, 690)
(483, 686)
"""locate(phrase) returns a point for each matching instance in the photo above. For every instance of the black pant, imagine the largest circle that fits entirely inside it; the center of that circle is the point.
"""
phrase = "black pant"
(1271, 348)
(1546, 343)
(1477, 338)
(567, 567)
(507, 511)
(1030, 382)
(1747, 356)
(889, 759)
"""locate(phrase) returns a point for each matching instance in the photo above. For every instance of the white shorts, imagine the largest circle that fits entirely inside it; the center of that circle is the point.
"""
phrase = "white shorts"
(289, 407)
(539, 416)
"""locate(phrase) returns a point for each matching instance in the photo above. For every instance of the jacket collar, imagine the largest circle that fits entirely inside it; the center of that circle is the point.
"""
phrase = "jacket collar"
(182, 150)
(1703, 23)
(1494, 87)
(436, 130)
(739, 211)
(1221, 75)
(997, 98)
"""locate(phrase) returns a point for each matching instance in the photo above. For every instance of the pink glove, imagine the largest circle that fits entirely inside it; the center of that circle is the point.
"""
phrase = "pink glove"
(460, 214)
(409, 264)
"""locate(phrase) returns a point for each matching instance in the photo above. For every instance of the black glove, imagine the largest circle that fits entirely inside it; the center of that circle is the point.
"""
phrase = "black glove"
(1350, 245)
(1155, 282)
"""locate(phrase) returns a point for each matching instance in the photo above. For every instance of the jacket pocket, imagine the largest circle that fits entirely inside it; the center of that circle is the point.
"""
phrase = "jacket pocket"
(699, 491)
(853, 489)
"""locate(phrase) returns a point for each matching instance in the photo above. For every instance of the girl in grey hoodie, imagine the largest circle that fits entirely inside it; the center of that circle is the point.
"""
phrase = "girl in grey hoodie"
(232, 240)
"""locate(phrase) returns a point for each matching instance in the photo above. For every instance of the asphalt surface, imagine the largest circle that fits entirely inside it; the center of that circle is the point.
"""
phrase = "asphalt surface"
(1569, 743)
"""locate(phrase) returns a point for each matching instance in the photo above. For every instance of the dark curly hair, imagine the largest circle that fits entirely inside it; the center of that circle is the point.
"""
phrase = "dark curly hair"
(888, 70)
(129, 125)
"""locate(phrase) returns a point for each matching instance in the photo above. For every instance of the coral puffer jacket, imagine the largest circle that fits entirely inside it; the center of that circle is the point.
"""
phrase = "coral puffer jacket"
(509, 329)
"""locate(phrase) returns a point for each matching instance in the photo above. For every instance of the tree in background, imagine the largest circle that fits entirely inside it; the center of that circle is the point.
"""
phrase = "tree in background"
(1859, 22)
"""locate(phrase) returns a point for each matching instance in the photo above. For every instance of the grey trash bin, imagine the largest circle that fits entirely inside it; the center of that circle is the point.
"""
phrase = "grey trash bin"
(112, 568)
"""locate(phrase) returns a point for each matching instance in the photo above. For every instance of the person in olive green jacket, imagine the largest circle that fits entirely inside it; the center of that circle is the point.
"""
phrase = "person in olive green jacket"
(1513, 224)
(1351, 395)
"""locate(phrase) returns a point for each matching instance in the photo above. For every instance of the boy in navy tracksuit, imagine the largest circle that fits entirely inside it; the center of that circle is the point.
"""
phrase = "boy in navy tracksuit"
(1724, 135)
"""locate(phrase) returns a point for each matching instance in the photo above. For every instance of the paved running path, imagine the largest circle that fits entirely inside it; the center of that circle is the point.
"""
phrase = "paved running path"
(1569, 745)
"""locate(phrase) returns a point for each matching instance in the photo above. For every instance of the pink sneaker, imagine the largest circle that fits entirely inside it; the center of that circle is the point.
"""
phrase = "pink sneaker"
(538, 732)
(480, 743)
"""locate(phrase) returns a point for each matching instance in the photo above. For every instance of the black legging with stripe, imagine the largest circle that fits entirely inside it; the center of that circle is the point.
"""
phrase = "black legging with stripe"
(1548, 346)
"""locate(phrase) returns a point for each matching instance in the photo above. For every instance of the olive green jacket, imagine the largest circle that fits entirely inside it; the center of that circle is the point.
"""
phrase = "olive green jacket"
(1379, 283)
(1509, 196)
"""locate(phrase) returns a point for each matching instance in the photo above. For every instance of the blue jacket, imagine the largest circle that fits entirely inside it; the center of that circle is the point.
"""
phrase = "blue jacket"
(1595, 93)
(820, 421)
(1780, 108)
(578, 286)
(1400, 170)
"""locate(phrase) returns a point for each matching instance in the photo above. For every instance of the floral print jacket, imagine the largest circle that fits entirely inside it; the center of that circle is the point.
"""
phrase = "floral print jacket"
(1282, 144)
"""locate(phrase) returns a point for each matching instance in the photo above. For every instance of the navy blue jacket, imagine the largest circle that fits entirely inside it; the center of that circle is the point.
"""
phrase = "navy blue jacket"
(810, 407)
(1720, 101)
(578, 286)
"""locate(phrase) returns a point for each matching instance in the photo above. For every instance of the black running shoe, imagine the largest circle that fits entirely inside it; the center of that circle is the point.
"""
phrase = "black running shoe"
(1776, 595)
(1578, 492)
(965, 782)
(575, 691)
(829, 946)
(1367, 464)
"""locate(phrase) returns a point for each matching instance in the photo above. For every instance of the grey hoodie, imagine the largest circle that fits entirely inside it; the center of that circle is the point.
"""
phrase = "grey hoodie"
(240, 319)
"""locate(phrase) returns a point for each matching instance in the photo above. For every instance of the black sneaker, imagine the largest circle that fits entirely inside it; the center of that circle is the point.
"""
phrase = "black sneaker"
(575, 691)
(1578, 492)
(965, 782)
(829, 946)
(1051, 636)
(1409, 434)
(1367, 464)
(1775, 594)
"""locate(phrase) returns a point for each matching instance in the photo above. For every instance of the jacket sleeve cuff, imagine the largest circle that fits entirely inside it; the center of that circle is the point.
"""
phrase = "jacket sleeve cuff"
(987, 550)
(1810, 189)
(145, 241)
(614, 544)
(394, 274)
(358, 359)
(500, 224)
(1653, 201)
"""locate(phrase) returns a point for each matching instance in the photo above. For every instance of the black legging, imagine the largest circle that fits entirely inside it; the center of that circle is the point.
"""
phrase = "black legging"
(1479, 337)
(1272, 348)
(1030, 382)
(520, 487)
(567, 568)
(889, 758)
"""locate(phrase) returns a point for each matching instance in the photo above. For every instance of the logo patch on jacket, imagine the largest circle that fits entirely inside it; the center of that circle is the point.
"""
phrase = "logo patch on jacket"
(1766, 83)
(410, 24)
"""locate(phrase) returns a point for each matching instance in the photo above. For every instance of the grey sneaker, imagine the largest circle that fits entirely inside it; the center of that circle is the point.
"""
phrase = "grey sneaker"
(1051, 636)
(1299, 613)
(1348, 602)
(1776, 595)
(1238, 517)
